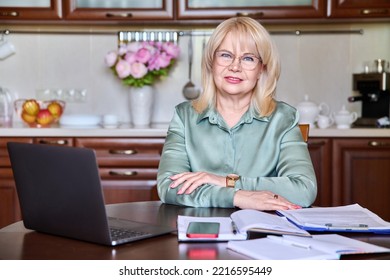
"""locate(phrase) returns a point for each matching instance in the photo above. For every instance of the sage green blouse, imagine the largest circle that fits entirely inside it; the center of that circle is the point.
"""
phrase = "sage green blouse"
(267, 152)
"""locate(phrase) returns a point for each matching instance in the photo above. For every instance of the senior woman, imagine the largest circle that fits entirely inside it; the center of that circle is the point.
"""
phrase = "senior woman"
(236, 145)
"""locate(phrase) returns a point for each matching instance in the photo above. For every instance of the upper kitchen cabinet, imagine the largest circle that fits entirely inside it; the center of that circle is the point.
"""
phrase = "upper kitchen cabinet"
(359, 9)
(30, 10)
(257, 9)
(118, 10)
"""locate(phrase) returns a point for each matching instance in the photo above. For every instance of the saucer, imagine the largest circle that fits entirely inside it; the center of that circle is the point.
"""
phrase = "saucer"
(116, 125)
(343, 126)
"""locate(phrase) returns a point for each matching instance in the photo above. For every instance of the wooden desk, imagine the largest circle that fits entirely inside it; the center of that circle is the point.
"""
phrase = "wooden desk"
(16, 242)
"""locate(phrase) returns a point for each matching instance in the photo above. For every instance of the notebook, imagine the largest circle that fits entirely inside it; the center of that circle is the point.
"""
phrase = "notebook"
(60, 193)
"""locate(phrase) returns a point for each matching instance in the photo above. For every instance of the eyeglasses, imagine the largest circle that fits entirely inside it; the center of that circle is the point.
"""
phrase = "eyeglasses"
(247, 61)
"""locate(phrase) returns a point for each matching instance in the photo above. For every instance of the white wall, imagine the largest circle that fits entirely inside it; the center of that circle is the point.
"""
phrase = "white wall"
(318, 65)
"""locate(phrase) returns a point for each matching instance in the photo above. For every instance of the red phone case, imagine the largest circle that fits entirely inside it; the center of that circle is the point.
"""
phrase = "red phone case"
(202, 235)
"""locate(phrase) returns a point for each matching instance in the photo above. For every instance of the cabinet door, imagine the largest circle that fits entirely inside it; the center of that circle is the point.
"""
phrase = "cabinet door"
(118, 10)
(121, 191)
(9, 203)
(320, 153)
(359, 9)
(129, 184)
(30, 10)
(4, 157)
(258, 9)
(124, 152)
(362, 174)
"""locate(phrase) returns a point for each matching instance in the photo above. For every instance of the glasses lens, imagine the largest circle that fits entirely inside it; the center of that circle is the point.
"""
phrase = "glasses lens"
(224, 58)
(248, 62)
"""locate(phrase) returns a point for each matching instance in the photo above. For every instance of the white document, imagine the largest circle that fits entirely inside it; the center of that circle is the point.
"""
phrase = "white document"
(317, 247)
(341, 218)
(258, 221)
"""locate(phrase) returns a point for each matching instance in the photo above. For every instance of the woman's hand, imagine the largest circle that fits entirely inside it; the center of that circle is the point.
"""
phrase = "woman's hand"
(262, 200)
(192, 180)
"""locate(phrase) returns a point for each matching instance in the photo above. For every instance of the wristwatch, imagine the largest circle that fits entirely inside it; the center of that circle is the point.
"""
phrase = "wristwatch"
(231, 180)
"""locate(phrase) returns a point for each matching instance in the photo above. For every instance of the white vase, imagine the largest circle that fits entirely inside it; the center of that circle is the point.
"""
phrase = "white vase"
(141, 105)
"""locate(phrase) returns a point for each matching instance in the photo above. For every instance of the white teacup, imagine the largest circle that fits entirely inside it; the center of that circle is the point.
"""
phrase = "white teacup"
(6, 49)
(110, 121)
(324, 121)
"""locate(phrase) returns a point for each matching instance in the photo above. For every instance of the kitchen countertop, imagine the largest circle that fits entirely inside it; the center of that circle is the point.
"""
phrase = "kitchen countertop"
(160, 130)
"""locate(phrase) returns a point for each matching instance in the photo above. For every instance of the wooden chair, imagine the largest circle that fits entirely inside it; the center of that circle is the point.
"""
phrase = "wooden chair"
(305, 131)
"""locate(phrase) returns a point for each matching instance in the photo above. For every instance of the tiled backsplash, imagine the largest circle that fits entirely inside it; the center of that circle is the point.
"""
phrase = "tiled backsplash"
(320, 66)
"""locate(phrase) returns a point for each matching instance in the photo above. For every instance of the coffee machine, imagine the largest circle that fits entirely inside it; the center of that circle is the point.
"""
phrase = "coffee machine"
(374, 93)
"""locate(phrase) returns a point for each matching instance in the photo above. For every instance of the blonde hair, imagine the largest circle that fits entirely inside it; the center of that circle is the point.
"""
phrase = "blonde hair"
(247, 31)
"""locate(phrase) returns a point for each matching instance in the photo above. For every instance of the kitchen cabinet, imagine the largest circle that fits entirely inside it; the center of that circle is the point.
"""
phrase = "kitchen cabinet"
(127, 166)
(176, 12)
(30, 10)
(9, 203)
(349, 170)
(320, 152)
(62, 11)
(265, 9)
(361, 173)
(352, 170)
(118, 10)
(359, 9)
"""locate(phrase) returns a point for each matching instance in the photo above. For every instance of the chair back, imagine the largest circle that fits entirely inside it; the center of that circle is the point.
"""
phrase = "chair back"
(305, 131)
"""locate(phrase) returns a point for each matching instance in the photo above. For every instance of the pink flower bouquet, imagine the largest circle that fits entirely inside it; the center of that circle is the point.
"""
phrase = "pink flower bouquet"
(141, 63)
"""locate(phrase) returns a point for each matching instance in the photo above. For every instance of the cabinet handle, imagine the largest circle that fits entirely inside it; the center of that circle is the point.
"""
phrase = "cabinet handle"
(374, 11)
(378, 144)
(54, 142)
(122, 152)
(9, 14)
(124, 173)
(122, 15)
(252, 15)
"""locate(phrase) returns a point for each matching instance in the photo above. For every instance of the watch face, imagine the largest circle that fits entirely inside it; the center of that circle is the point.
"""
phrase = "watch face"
(231, 180)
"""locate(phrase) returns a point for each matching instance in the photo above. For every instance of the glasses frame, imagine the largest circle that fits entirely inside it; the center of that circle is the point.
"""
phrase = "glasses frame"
(260, 61)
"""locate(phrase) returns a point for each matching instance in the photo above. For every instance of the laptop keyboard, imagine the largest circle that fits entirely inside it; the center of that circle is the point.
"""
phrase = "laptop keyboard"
(126, 234)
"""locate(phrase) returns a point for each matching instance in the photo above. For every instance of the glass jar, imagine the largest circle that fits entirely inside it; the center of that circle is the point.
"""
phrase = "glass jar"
(6, 108)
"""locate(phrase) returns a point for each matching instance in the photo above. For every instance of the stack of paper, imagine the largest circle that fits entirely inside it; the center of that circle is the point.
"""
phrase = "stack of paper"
(317, 247)
(353, 218)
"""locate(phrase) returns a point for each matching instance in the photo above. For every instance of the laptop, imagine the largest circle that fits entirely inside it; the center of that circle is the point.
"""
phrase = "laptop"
(60, 193)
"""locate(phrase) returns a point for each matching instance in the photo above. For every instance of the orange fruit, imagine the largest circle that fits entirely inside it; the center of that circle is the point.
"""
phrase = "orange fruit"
(44, 117)
(31, 107)
(28, 118)
(55, 109)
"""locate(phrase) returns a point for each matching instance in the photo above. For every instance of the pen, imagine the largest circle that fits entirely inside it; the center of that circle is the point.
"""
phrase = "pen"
(288, 242)
(234, 227)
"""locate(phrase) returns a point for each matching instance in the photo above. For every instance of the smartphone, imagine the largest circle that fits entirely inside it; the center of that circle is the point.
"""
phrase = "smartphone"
(203, 230)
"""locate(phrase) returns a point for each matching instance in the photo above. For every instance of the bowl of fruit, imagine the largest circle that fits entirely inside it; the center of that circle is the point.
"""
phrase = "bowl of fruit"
(36, 113)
